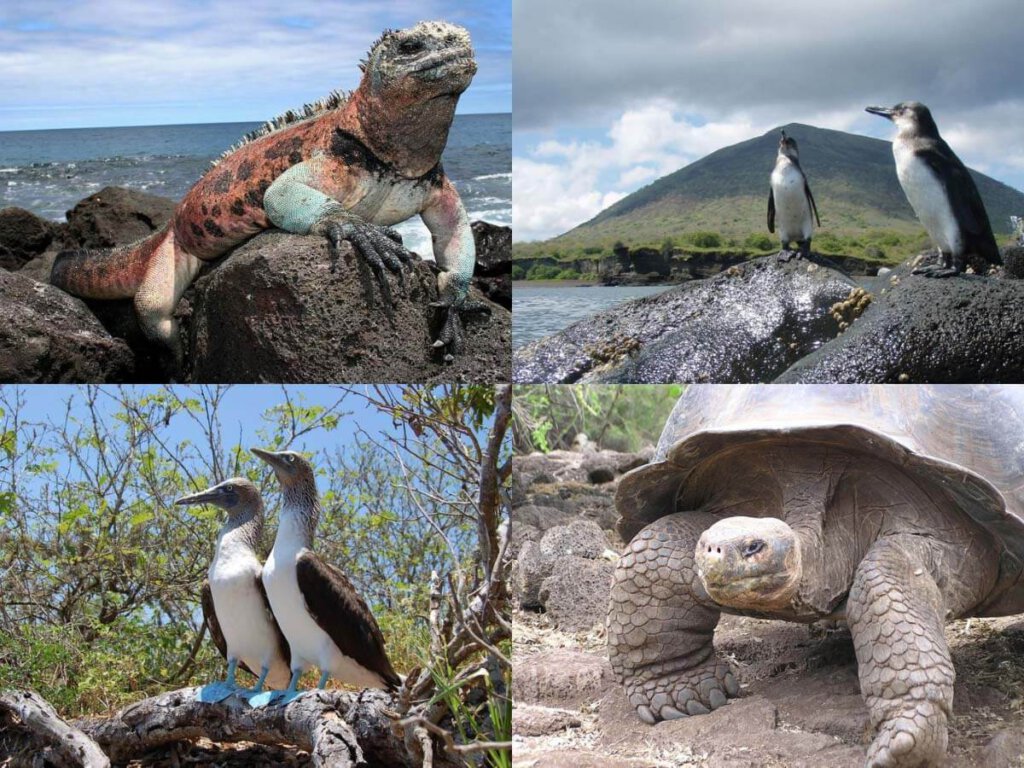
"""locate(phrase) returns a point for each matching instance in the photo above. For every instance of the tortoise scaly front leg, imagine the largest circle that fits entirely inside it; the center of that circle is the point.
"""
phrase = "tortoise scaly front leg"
(661, 624)
(896, 615)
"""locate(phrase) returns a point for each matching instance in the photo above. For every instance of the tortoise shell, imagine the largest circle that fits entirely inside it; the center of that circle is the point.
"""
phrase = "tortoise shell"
(964, 443)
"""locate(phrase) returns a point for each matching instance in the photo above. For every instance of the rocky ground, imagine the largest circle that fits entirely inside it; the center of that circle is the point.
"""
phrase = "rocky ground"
(784, 319)
(800, 702)
(274, 309)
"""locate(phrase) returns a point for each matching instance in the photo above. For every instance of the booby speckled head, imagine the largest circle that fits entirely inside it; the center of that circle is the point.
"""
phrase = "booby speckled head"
(291, 468)
(236, 496)
(431, 59)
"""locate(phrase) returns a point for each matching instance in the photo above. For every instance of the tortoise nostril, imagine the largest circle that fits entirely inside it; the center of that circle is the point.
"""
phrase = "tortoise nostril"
(718, 550)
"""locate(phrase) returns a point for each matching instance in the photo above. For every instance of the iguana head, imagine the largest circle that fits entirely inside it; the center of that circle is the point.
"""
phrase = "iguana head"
(431, 59)
(412, 80)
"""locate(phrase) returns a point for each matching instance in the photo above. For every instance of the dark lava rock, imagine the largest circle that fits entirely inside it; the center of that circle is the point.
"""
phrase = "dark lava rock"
(953, 330)
(23, 236)
(1013, 261)
(748, 324)
(116, 216)
(47, 336)
(493, 273)
(274, 311)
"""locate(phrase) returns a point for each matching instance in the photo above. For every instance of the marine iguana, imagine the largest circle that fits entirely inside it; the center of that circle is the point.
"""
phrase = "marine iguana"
(346, 167)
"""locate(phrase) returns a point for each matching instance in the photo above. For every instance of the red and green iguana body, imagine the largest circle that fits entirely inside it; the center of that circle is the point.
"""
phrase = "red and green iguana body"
(346, 168)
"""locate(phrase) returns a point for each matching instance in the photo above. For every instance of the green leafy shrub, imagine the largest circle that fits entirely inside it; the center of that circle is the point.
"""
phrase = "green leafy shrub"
(759, 242)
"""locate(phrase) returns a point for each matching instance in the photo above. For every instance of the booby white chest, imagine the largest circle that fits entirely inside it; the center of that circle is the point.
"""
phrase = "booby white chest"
(248, 632)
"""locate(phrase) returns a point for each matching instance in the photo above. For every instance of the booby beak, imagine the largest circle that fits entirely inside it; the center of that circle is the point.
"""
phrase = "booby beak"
(209, 496)
(885, 112)
(277, 461)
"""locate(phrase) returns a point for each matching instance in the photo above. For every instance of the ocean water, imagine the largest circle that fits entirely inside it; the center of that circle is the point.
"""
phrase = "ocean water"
(47, 172)
(540, 311)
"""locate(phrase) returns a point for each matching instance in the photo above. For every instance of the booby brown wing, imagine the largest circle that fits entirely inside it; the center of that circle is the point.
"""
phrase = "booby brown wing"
(210, 614)
(339, 611)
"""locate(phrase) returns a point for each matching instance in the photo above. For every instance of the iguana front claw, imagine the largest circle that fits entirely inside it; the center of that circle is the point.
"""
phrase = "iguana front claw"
(453, 336)
(380, 246)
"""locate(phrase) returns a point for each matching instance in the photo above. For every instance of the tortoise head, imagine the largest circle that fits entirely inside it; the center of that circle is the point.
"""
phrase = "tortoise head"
(749, 563)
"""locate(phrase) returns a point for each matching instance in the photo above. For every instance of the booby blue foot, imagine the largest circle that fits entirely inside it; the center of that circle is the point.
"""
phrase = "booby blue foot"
(215, 692)
(220, 690)
(278, 698)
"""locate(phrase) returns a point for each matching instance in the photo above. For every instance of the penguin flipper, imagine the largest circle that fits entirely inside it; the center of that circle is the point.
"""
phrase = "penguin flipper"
(964, 198)
(771, 210)
(810, 199)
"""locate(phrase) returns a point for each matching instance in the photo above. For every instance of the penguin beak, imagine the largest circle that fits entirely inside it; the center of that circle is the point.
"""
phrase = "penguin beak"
(209, 496)
(276, 461)
(885, 112)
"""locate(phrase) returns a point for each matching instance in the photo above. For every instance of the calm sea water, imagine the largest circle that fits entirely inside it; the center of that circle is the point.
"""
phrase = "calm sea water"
(541, 311)
(47, 172)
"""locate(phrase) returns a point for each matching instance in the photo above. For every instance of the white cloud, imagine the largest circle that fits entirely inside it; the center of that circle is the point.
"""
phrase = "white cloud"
(559, 184)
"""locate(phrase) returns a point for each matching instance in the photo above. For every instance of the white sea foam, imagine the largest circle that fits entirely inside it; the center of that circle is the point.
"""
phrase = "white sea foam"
(492, 176)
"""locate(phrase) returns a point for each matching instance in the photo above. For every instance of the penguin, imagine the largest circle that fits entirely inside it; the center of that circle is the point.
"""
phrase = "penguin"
(940, 190)
(789, 197)
(326, 622)
(234, 601)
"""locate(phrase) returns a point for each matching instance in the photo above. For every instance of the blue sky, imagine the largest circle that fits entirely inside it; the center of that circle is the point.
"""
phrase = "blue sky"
(240, 412)
(117, 62)
(610, 96)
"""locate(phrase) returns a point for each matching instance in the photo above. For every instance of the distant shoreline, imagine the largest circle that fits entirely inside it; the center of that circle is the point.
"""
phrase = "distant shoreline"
(555, 284)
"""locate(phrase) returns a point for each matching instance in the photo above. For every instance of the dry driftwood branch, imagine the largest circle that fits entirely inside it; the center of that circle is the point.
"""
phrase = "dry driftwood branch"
(338, 728)
(69, 745)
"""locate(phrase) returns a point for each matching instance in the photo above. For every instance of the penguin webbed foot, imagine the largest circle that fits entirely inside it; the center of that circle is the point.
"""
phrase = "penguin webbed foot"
(936, 270)
(946, 266)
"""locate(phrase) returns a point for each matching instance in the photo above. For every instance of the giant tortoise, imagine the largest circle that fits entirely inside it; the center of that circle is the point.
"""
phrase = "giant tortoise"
(895, 508)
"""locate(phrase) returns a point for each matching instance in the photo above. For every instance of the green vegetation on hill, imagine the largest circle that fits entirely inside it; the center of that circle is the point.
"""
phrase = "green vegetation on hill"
(863, 210)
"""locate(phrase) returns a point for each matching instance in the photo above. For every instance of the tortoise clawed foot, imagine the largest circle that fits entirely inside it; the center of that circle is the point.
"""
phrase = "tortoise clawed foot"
(696, 691)
(914, 737)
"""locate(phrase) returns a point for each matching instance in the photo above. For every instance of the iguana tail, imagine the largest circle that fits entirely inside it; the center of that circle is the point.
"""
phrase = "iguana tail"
(114, 273)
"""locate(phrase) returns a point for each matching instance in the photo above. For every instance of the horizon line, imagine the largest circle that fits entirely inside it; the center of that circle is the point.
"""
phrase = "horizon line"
(177, 125)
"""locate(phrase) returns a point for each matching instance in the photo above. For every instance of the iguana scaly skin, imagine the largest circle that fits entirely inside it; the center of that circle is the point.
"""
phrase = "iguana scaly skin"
(346, 168)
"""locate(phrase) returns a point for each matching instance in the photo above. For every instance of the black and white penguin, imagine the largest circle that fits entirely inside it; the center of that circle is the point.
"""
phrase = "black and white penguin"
(940, 190)
(790, 203)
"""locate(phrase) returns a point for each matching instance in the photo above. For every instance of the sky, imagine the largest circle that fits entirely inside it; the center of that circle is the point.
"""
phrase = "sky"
(98, 63)
(240, 413)
(610, 96)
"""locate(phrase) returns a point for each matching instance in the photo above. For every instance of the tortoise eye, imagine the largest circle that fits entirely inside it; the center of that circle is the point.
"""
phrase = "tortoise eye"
(753, 548)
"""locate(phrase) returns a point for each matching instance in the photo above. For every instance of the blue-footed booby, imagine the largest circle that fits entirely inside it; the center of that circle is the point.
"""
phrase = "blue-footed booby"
(234, 601)
(940, 190)
(328, 625)
(790, 202)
